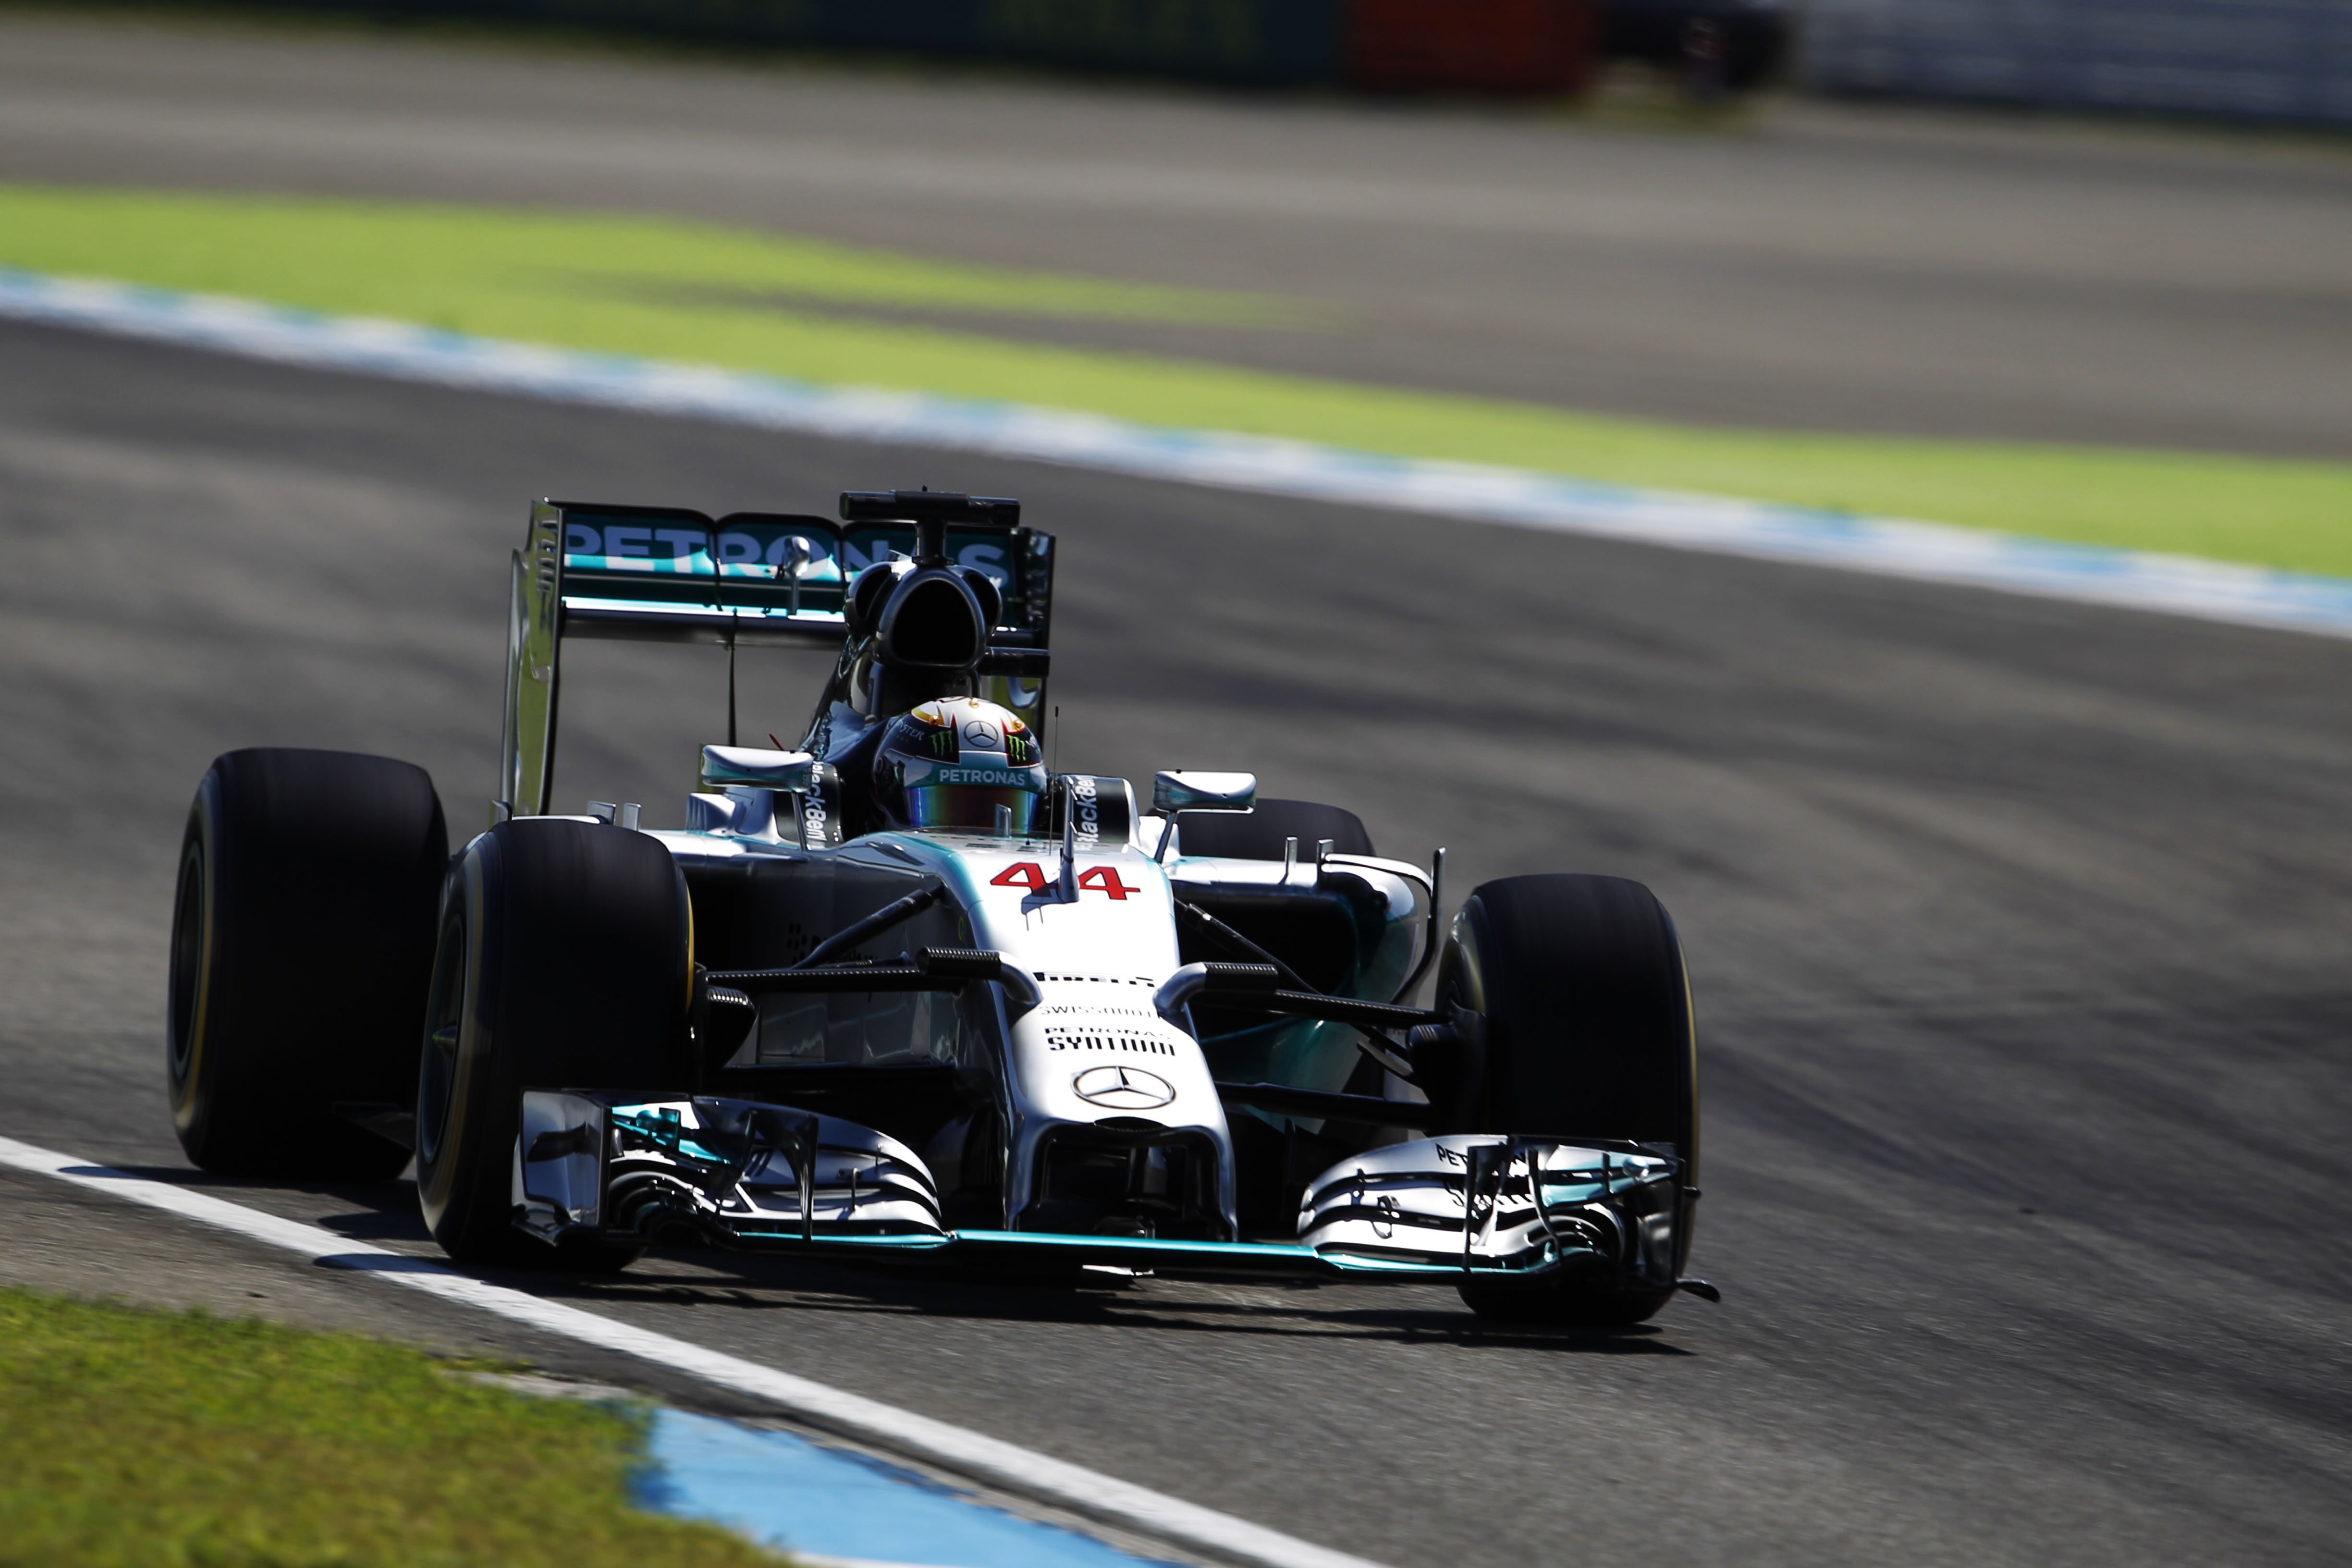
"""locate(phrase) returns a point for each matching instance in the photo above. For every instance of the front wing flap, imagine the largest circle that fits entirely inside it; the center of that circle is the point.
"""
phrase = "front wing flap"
(715, 1170)
(1494, 1205)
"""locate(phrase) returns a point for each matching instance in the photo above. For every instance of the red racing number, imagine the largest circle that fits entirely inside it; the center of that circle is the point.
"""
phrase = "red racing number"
(1095, 878)
(1105, 878)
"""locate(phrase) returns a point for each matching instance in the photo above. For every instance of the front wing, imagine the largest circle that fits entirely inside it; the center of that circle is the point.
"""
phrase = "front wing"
(741, 1174)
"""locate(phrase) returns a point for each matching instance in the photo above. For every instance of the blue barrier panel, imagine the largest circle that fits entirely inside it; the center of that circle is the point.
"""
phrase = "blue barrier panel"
(2285, 60)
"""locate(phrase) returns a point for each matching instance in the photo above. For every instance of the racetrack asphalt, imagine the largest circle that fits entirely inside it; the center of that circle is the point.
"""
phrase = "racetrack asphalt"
(2019, 930)
(1823, 268)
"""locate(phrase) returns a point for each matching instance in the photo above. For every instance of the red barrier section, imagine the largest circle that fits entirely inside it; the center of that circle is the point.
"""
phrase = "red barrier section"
(1485, 46)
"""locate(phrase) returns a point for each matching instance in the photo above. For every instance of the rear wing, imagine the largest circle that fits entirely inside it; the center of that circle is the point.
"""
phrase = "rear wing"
(665, 574)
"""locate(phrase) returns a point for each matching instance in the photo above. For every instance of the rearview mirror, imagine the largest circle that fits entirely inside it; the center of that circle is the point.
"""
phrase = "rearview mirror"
(1172, 792)
(756, 766)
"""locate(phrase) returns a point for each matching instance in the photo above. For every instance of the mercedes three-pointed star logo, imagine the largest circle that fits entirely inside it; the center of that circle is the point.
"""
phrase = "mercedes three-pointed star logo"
(1123, 1088)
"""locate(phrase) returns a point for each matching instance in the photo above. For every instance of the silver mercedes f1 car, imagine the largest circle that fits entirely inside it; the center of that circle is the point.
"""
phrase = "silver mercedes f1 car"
(902, 993)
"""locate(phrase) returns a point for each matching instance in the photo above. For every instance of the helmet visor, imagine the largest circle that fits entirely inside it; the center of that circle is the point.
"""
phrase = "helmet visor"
(970, 807)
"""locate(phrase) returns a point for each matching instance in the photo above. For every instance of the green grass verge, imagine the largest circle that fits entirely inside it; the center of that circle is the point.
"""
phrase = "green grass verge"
(698, 292)
(132, 1438)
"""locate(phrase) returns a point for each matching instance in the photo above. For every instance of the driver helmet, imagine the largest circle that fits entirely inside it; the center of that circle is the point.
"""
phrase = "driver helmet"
(952, 762)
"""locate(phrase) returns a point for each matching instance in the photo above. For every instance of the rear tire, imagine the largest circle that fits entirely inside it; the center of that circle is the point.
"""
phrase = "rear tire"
(301, 944)
(1581, 984)
(1257, 834)
(565, 961)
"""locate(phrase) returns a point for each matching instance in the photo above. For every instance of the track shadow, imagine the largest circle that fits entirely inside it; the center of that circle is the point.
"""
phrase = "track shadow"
(379, 1211)
(397, 1222)
(1276, 1309)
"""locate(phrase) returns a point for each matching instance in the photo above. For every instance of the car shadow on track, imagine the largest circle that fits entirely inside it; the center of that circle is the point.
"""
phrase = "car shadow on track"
(382, 1213)
(1281, 1309)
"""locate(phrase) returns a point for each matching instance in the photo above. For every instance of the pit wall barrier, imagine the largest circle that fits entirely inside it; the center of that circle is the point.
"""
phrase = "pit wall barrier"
(2286, 62)
(1513, 47)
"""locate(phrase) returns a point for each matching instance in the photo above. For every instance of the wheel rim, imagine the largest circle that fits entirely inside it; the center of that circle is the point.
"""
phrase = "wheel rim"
(436, 1084)
(187, 960)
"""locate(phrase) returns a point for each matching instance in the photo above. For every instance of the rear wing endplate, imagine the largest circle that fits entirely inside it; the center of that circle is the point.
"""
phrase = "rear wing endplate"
(665, 574)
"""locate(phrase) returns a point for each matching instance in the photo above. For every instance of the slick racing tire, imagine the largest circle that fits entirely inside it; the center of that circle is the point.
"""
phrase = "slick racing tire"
(1258, 834)
(301, 944)
(564, 961)
(1586, 1004)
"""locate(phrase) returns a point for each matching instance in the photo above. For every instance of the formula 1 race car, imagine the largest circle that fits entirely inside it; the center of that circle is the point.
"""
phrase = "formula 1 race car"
(901, 993)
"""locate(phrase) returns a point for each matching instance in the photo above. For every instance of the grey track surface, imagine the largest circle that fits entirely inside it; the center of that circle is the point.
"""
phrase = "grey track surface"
(2019, 931)
(1825, 270)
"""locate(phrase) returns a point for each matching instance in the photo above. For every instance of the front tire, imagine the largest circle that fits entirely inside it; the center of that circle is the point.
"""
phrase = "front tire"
(1586, 1002)
(301, 941)
(564, 961)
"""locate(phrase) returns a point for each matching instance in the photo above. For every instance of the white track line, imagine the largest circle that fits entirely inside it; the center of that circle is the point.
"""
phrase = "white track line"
(1518, 497)
(984, 1457)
